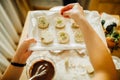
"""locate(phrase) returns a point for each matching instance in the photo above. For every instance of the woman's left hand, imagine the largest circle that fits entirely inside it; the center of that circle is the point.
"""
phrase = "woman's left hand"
(22, 52)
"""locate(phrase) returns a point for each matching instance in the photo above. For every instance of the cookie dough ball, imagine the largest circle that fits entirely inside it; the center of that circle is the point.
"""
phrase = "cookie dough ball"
(78, 37)
(42, 22)
(60, 23)
(46, 37)
(63, 37)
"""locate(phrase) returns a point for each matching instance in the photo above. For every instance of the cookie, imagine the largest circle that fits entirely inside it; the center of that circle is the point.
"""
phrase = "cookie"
(60, 23)
(42, 22)
(78, 36)
(63, 37)
(46, 37)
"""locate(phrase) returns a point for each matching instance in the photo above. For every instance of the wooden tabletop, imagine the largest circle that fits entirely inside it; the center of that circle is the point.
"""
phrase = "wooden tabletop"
(24, 36)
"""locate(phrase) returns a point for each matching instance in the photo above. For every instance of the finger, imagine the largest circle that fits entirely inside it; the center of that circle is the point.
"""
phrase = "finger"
(25, 45)
(67, 14)
(31, 40)
(66, 8)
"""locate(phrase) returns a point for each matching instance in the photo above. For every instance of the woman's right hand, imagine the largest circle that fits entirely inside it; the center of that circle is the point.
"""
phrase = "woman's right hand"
(73, 11)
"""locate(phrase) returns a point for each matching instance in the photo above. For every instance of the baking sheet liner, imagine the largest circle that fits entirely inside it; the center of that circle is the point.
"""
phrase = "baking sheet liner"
(34, 32)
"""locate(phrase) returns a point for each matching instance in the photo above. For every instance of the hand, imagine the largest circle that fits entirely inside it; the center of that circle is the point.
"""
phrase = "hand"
(22, 52)
(73, 11)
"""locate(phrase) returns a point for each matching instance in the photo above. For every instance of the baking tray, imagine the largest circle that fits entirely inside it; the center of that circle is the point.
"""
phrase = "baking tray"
(34, 32)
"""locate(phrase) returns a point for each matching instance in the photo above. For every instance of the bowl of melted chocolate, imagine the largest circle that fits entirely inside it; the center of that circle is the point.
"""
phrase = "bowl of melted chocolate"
(42, 70)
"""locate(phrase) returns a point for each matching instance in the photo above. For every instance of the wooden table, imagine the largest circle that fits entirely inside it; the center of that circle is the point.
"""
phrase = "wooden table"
(24, 36)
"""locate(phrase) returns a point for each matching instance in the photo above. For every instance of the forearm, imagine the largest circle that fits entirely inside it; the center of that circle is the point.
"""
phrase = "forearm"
(0, 75)
(97, 50)
(12, 73)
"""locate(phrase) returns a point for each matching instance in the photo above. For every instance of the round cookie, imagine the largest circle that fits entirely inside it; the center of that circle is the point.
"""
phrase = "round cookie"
(78, 37)
(60, 23)
(63, 37)
(42, 22)
(46, 37)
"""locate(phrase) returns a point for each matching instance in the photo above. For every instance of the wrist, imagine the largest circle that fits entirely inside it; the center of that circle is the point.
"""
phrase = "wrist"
(17, 64)
(18, 60)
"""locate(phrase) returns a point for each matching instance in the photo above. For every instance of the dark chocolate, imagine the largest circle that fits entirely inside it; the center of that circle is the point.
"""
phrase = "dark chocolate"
(48, 66)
